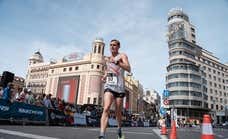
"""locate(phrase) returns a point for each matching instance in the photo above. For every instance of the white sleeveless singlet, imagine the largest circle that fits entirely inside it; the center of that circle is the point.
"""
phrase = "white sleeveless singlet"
(115, 77)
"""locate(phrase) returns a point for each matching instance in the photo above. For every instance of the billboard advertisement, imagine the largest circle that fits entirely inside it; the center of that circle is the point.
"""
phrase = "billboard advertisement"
(68, 88)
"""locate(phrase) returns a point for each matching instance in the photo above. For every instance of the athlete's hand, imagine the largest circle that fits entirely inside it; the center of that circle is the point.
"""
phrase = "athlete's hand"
(112, 60)
(103, 79)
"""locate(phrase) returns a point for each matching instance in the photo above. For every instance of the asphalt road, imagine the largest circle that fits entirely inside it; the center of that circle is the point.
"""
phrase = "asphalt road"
(58, 132)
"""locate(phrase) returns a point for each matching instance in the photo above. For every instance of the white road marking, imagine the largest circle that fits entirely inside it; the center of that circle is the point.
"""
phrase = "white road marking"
(221, 136)
(156, 131)
(159, 134)
(21, 134)
(124, 131)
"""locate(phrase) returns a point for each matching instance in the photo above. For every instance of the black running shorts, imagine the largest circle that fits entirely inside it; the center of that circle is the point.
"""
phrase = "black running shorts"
(115, 94)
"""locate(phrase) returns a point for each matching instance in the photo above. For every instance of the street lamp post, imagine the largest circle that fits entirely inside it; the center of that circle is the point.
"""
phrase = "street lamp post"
(214, 111)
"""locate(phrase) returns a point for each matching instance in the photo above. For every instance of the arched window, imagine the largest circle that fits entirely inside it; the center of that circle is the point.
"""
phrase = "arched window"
(95, 49)
(99, 49)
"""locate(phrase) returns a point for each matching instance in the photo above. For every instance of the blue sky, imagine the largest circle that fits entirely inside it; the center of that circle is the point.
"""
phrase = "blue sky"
(58, 28)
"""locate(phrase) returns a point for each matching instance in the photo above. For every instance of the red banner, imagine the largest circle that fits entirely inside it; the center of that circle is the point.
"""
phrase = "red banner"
(68, 88)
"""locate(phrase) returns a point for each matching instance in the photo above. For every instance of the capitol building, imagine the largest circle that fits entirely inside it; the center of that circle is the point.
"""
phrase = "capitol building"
(76, 78)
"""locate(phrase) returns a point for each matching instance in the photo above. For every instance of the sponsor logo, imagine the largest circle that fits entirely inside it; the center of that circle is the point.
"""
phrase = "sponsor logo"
(4, 108)
(28, 111)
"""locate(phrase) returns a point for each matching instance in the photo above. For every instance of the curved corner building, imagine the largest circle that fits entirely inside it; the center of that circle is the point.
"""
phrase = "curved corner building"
(187, 76)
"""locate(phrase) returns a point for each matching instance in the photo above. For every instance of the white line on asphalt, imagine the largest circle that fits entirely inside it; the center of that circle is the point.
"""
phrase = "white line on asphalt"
(157, 132)
(221, 136)
(129, 132)
(21, 134)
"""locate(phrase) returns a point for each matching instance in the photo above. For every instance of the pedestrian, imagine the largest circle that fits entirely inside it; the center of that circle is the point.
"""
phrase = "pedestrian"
(6, 95)
(114, 90)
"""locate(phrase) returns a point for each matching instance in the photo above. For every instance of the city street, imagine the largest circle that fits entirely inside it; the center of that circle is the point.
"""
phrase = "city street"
(57, 132)
(68, 67)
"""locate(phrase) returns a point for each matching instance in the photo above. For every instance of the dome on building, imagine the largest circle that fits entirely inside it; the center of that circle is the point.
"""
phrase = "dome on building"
(99, 40)
(177, 12)
(73, 56)
(37, 56)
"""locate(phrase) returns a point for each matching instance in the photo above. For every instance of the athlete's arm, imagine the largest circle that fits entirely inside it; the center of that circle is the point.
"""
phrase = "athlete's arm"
(105, 69)
(124, 63)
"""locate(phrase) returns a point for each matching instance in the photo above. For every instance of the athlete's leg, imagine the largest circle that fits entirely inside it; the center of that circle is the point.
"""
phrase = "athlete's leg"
(108, 99)
(119, 104)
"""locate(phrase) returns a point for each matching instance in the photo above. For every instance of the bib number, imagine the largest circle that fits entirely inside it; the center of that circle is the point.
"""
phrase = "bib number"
(112, 80)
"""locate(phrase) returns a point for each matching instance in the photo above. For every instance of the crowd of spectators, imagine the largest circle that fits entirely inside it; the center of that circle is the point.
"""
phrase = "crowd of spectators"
(26, 96)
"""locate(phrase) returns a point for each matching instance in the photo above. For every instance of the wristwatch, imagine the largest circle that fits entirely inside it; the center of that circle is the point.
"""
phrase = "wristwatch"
(116, 62)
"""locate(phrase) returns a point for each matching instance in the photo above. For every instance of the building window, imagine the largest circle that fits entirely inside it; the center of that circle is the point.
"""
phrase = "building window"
(64, 69)
(76, 68)
(100, 101)
(210, 83)
(204, 67)
(98, 66)
(70, 68)
(210, 76)
(94, 100)
(88, 100)
(193, 30)
(211, 91)
(52, 71)
(212, 106)
(95, 49)
(221, 107)
(216, 93)
(193, 35)
(219, 79)
(209, 69)
(99, 49)
(211, 98)
(220, 100)
(214, 78)
(216, 107)
(92, 66)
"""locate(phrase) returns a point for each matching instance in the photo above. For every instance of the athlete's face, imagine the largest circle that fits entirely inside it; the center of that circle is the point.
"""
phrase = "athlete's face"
(114, 47)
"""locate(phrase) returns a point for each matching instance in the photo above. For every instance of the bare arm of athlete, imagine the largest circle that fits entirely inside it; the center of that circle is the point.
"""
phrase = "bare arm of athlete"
(105, 69)
(124, 63)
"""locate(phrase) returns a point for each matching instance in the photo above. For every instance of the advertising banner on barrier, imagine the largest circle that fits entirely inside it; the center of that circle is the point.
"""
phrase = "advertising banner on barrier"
(21, 111)
(112, 122)
(56, 117)
(79, 119)
(146, 124)
(92, 121)
(4, 109)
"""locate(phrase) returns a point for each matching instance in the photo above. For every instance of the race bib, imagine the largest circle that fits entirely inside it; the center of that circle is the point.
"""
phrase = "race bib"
(112, 79)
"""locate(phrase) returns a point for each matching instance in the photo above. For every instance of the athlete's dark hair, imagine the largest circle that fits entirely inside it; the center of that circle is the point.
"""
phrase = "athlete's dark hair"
(115, 40)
